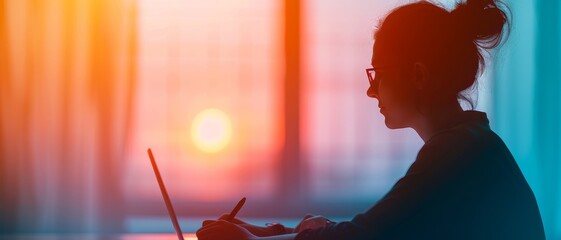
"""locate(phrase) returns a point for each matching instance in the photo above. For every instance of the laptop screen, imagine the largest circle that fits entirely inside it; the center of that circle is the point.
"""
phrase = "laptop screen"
(167, 200)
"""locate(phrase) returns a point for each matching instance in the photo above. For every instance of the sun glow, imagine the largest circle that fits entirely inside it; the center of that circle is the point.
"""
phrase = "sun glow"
(211, 130)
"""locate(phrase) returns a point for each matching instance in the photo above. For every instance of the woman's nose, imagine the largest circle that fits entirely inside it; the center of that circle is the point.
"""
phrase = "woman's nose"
(372, 92)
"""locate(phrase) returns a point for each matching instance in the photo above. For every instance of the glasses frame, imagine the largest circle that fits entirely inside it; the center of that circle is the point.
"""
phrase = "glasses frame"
(371, 80)
(369, 75)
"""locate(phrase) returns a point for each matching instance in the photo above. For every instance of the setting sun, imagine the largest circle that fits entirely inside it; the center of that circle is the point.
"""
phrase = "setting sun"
(211, 130)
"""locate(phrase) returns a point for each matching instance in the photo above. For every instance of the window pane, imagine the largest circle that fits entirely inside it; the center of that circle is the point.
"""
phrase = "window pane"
(218, 60)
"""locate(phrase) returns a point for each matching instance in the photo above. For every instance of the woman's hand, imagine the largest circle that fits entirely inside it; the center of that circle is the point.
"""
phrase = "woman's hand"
(255, 230)
(223, 230)
(313, 222)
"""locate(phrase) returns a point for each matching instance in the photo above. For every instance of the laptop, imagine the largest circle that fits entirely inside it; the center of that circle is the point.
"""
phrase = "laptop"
(166, 196)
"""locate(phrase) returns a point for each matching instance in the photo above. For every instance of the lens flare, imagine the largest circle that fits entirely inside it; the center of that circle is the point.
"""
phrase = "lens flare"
(211, 130)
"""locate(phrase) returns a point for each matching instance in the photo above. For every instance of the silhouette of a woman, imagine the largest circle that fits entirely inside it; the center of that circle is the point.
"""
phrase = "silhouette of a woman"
(464, 183)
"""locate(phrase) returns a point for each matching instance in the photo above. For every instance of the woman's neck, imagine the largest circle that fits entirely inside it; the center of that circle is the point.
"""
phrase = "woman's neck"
(440, 118)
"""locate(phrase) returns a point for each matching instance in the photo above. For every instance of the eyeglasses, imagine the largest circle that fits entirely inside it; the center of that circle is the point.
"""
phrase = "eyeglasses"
(372, 90)
(371, 75)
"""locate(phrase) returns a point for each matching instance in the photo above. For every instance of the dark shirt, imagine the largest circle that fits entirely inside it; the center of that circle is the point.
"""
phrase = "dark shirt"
(464, 184)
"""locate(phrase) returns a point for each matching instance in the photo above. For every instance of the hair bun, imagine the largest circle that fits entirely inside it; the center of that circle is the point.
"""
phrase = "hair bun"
(480, 21)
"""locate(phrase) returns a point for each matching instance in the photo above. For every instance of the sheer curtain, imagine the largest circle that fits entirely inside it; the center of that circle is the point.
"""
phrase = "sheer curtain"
(527, 104)
(67, 82)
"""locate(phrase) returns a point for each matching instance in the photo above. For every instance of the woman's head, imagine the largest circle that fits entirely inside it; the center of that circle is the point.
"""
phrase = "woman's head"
(425, 56)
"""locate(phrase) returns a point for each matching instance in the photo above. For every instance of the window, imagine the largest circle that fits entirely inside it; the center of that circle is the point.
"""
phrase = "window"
(208, 101)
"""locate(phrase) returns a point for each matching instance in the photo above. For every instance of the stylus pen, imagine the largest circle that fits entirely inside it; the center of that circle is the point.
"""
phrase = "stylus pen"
(236, 210)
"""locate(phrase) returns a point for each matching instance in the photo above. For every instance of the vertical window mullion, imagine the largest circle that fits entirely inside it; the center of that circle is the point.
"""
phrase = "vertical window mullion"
(290, 164)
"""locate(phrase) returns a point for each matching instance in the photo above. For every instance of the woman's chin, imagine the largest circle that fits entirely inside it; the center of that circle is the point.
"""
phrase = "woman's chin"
(394, 120)
(392, 124)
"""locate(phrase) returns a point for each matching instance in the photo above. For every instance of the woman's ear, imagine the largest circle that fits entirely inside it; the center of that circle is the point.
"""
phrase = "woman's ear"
(420, 75)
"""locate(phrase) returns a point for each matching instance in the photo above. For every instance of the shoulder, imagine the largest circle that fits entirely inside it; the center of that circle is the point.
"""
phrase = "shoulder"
(459, 140)
(463, 145)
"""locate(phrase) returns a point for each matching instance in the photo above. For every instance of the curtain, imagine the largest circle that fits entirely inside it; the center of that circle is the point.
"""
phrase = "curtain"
(67, 70)
(527, 105)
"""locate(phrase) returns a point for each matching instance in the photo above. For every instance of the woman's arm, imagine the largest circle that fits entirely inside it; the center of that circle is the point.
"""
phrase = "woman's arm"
(259, 231)
(290, 236)
(308, 222)
(219, 230)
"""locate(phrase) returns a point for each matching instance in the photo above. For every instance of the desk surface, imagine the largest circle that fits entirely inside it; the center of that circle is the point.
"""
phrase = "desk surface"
(95, 237)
